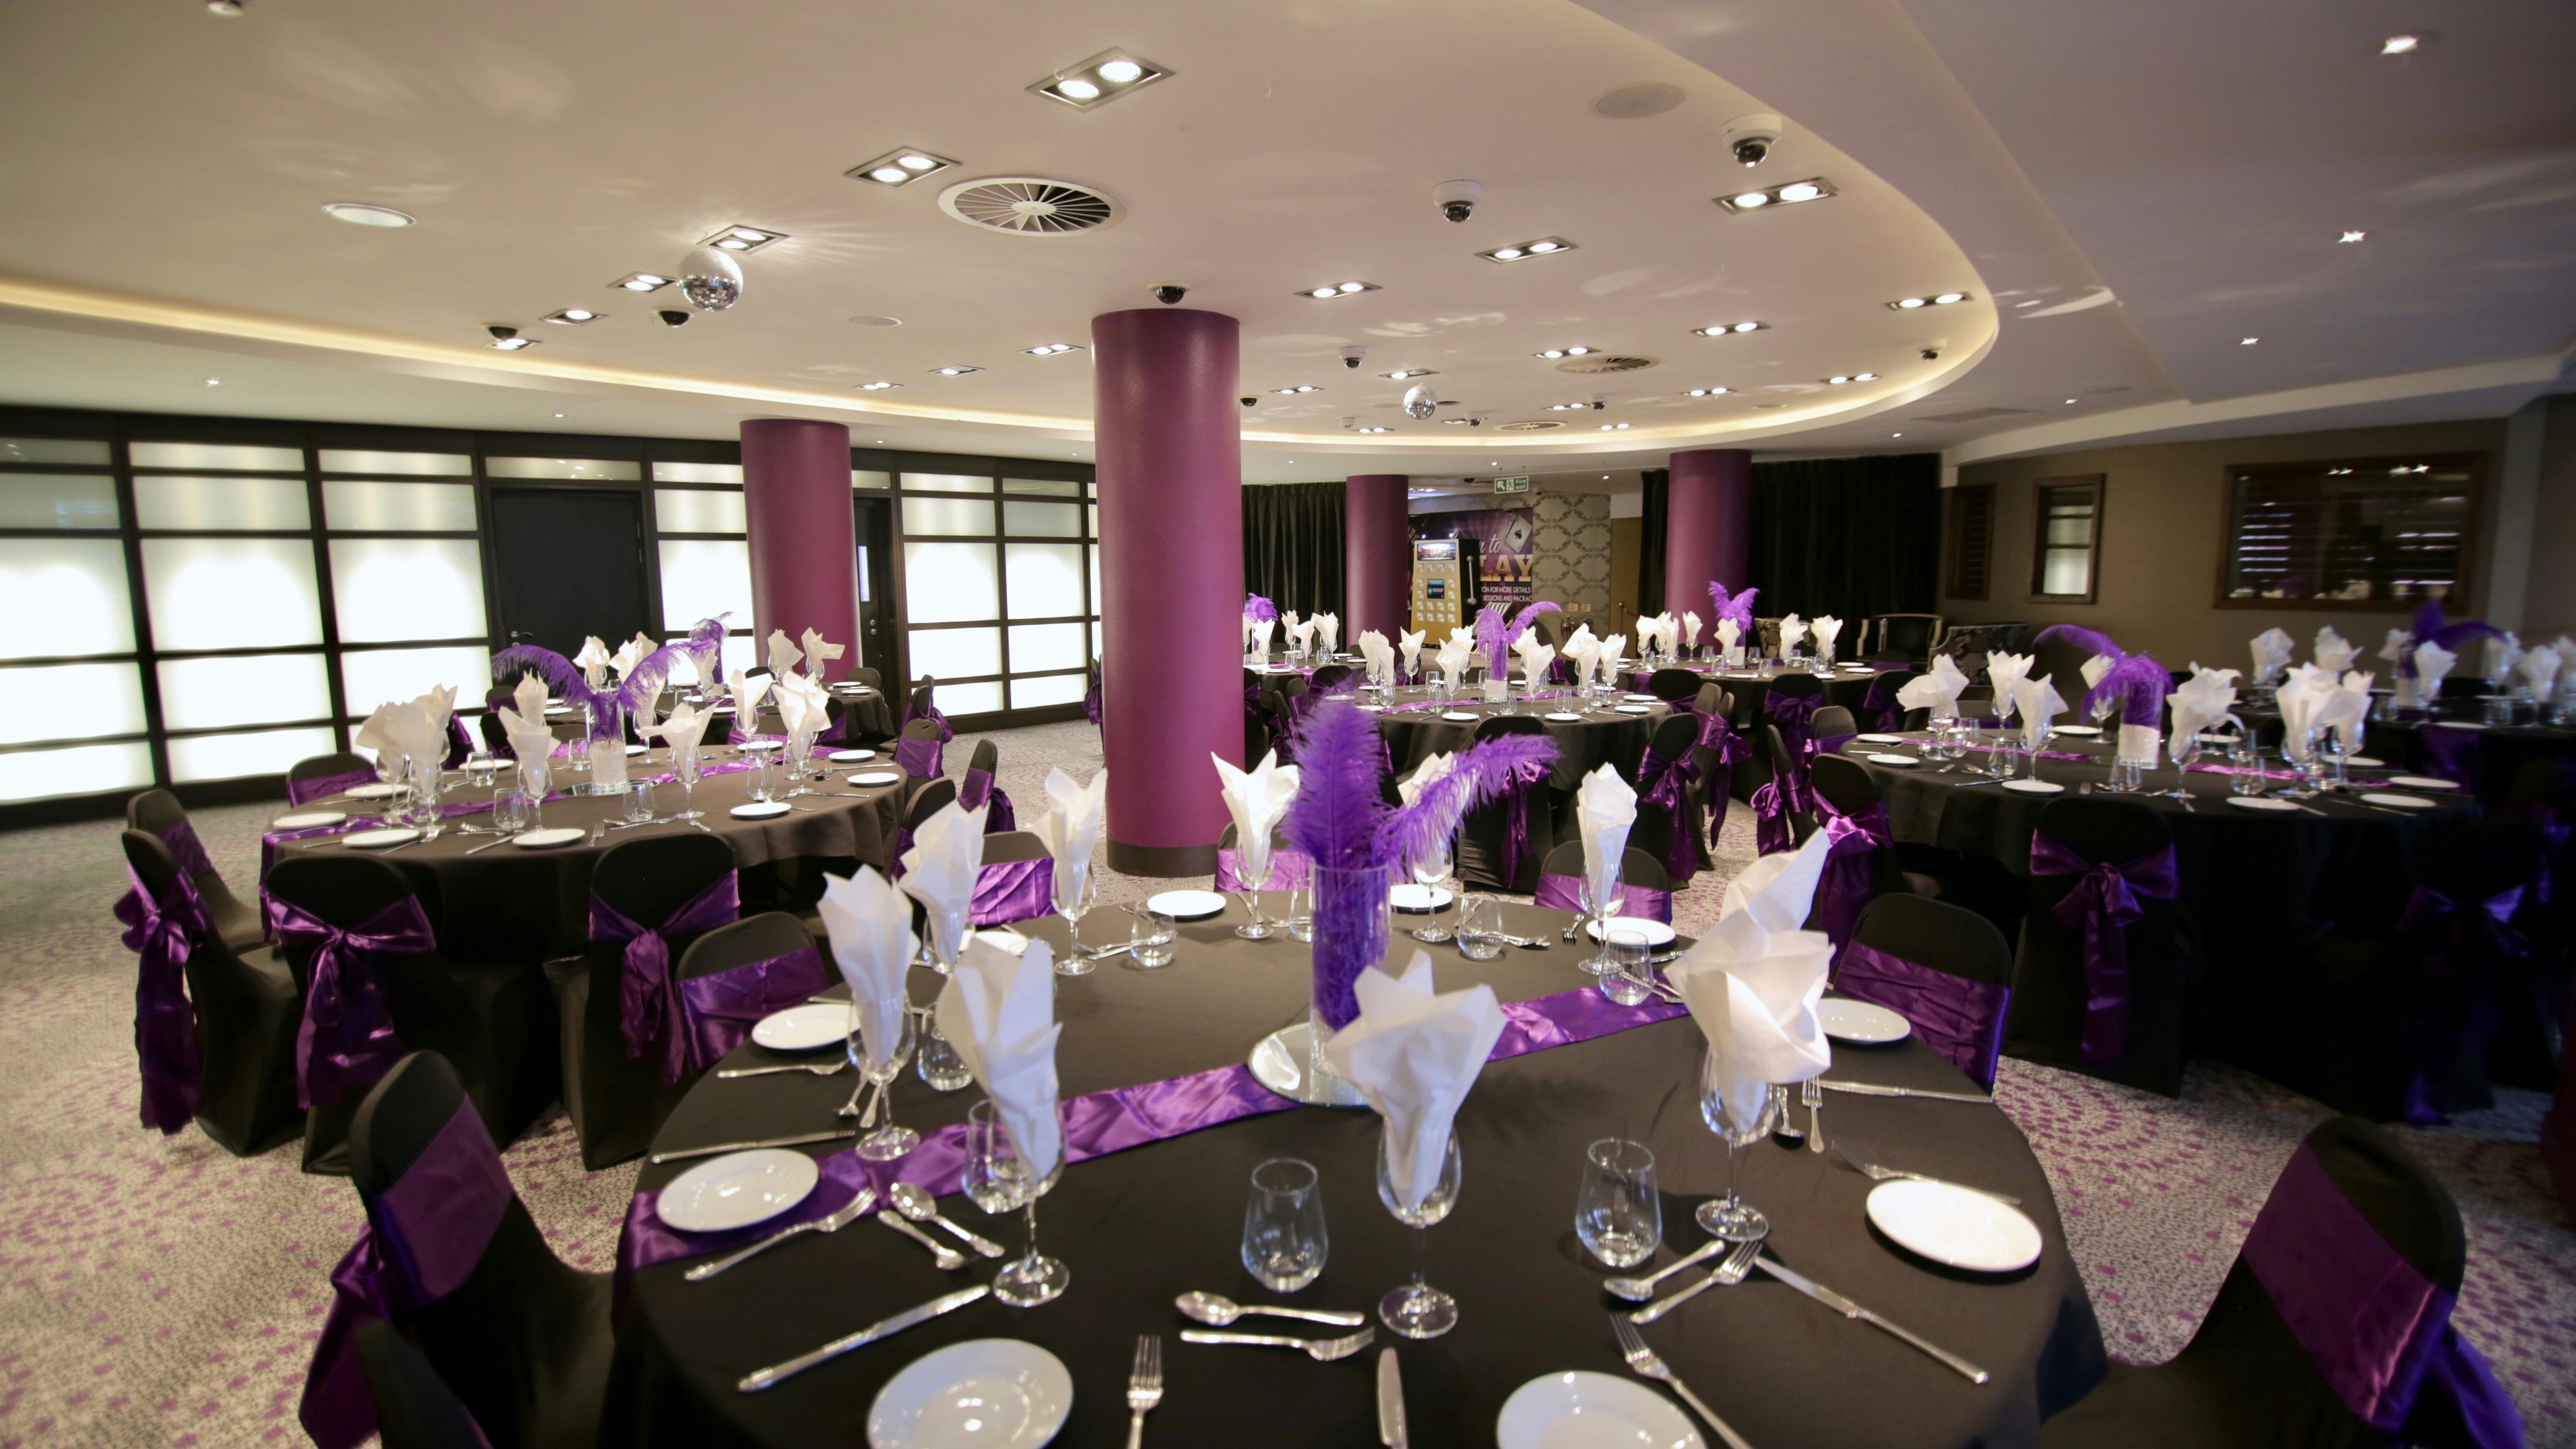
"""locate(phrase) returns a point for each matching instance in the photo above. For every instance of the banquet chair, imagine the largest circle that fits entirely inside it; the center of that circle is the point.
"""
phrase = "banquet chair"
(1671, 832)
(1879, 710)
(1644, 889)
(1905, 636)
(863, 674)
(1830, 722)
(920, 751)
(1864, 864)
(1016, 881)
(1290, 868)
(1945, 969)
(317, 776)
(157, 813)
(2137, 1041)
(1502, 841)
(1672, 686)
(1285, 699)
(414, 1407)
(1788, 772)
(673, 889)
(245, 1007)
(978, 788)
(2331, 1329)
(520, 1339)
(1332, 679)
(780, 961)
(926, 798)
(494, 1021)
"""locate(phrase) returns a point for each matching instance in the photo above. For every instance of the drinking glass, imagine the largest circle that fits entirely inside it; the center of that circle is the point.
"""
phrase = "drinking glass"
(799, 749)
(936, 1060)
(1418, 1310)
(510, 811)
(2247, 761)
(1256, 874)
(1731, 1217)
(999, 1179)
(1153, 940)
(638, 800)
(1301, 912)
(1629, 979)
(762, 778)
(946, 930)
(1074, 893)
(1480, 928)
(479, 766)
(686, 767)
(424, 799)
(1600, 911)
(1284, 1242)
(1428, 874)
(881, 1062)
(1618, 1213)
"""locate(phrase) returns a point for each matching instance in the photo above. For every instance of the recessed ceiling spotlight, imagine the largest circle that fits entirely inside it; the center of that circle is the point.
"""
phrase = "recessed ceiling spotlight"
(2250, 341)
(742, 239)
(878, 321)
(512, 344)
(573, 316)
(1556, 352)
(901, 166)
(1723, 328)
(2070, 402)
(1301, 387)
(227, 7)
(1098, 81)
(954, 371)
(1050, 349)
(2401, 44)
(1546, 246)
(360, 213)
(1401, 373)
(1338, 289)
(641, 282)
(1707, 391)
(1814, 188)
(1942, 299)
(1864, 377)
(1614, 427)
(877, 386)
(1896, 435)
(1375, 430)
(1836, 381)
(2351, 236)
(214, 382)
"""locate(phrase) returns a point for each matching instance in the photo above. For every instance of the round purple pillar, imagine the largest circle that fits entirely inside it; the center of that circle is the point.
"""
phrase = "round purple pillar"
(1377, 555)
(1164, 421)
(804, 541)
(1708, 513)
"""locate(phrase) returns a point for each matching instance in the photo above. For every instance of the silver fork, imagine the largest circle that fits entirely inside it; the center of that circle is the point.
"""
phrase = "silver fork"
(1322, 1350)
(941, 1255)
(1813, 1095)
(1649, 1364)
(1876, 1173)
(847, 1215)
(1733, 1269)
(1144, 1386)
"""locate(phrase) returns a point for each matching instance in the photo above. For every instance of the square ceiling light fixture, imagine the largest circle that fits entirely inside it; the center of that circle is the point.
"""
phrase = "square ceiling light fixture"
(1098, 81)
(1787, 193)
(573, 316)
(1337, 289)
(901, 166)
(742, 239)
(956, 371)
(1051, 349)
(1401, 373)
(1724, 329)
(641, 282)
(1546, 246)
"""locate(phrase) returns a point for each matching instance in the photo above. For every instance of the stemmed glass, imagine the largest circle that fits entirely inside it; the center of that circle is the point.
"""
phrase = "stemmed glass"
(1600, 909)
(2101, 712)
(1731, 1217)
(800, 748)
(946, 936)
(1254, 863)
(534, 781)
(1074, 893)
(685, 766)
(1418, 1310)
(881, 1062)
(479, 766)
(1428, 873)
(999, 1179)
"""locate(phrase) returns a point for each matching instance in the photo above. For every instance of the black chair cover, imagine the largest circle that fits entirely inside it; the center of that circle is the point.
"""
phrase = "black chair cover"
(2049, 982)
(1674, 685)
(1481, 835)
(247, 1008)
(414, 1407)
(157, 813)
(618, 1102)
(1830, 720)
(1653, 832)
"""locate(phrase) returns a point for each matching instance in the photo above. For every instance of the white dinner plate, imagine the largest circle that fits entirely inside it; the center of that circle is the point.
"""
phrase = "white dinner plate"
(1899, 760)
(877, 777)
(1011, 941)
(1577, 1410)
(1563, 718)
(1641, 699)
(1955, 1225)
(2423, 782)
(759, 810)
(309, 820)
(633, 750)
(554, 838)
(2362, 762)
(2035, 787)
(1636, 709)
(1655, 932)
(1187, 905)
(1419, 899)
(385, 839)
(1880, 739)
(852, 757)
(372, 792)
(804, 1028)
(558, 709)
(2261, 802)
(2400, 802)
(1459, 715)
(985, 1393)
(763, 745)
(1861, 1021)
(2084, 730)
(1857, 668)
(737, 1190)
(2458, 724)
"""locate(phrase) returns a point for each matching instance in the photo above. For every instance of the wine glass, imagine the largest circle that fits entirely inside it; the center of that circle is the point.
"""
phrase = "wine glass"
(534, 781)
(2101, 712)
(1418, 1310)
(1600, 907)
(800, 747)
(881, 1062)
(1075, 892)
(1428, 873)
(1284, 1240)
(1252, 861)
(1618, 1214)
(479, 766)
(1731, 1217)
(999, 1179)
(685, 766)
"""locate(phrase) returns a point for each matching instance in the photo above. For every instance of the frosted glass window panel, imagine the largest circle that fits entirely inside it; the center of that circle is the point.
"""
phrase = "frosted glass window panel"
(1028, 518)
(222, 505)
(1039, 647)
(370, 677)
(702, 578)
(71, 702)
(399, 507)
(863, 478)
(1056, 689)
(1091, 557)
(972, 517)
(945, 483)
(607, 468)
(80, 770)
(363, 460)
(57, 500)
(232, 593)
(697, 472)
(741, 651)
(956, 653)
(1094, 510)
(64, 597)
(1095, 638)
(408, 588)
(968, 698)
(1034, 485)
(950, 582)
(53, 450)
(1045, 579)
(223, 457)
(229, 757)
(697, 510)
(206, 694)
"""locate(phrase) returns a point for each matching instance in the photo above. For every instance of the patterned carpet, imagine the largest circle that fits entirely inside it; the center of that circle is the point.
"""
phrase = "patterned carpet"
(162, 1293)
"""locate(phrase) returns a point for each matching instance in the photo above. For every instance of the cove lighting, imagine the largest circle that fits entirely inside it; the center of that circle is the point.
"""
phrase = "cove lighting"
(742, 239)
(1941, 299)
(1338, 289)
(573, 316)
(1556, 352)
(512, 344)
(1723, 329)
(877, 386)
(1546, 246)
(1814, 188)
(1707, 391)
(1098, 81)
(641, 282)
(901, 166)
(1301, 387)
(1051, 349)
(954, 371)
(1401, 373)
(360, 213)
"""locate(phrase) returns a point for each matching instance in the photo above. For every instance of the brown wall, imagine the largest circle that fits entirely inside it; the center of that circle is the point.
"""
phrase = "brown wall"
(2163, 511)
(2549, 607)
(1626, 538)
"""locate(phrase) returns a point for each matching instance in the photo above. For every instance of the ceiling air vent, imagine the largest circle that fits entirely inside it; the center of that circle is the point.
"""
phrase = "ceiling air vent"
(1540, 425)
(1605, 364)
(1030, 205)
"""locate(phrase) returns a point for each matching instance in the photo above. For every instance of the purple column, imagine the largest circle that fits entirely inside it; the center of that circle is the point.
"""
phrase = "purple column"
(1708, 515)
(804, 542)
(1377, 555)
(1164, 420)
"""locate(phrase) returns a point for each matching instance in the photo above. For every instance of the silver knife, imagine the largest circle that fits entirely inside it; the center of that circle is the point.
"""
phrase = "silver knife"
(1872, 1089)
(1849, 1309)
(1390, 1402)
(758, 1379)
(799, 1140)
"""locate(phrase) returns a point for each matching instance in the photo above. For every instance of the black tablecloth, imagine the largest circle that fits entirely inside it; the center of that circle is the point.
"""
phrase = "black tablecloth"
(2494, 754)
(1604, 736)
(1140, 1227)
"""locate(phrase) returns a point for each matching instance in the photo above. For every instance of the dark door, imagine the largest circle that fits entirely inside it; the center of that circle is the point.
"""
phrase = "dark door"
(569, 562)
(876, 589)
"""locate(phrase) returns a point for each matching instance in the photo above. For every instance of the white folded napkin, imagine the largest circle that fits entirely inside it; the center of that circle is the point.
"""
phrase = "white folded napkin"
(1456, 653)
(2302, 695)
(819, 653)
(1287, 623)
(1728, 633)
(1328, 631)
(2003, 671)
(530, 696)
(1792, 630)
(1379, 657)
(801, 709)
(1070, 826)
(1256, 633)
(1414, 1053)
(1534, 663)
(1605, 665)
(1605, 810)
(2271, 654)
(2433, 664)
(1752, 984)
(2351, 718)
(1409, 641)
(2094, 668)
(622, 663)
(2393, 649)
(592, 661)
(1579, 651)
(2539, 670)
(1690, 630)
(783, 653)
(532, 744)
(747, 690)
(2334, 653)
(870, 926)
(939, 871)
(2504, 651)
(1258, 800)
(2038, 704)
(998, 1011)
(682, 731)
(1409, 789)
(1780, 888)
(1936, 689)
(400, 734)
(1827, 630)
(1304, 633)
(440, 703)
(2199, 702)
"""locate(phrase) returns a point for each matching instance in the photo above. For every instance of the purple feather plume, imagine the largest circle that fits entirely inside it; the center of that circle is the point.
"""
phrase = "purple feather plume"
(1521, 621)
(2429, 629)
(1482, 772)
(2140, 684)
(1491, 639)
(1738, 607)
(1260, 610)
(2092, 641)
(560, 674)
(1341, 804)
(705, 648)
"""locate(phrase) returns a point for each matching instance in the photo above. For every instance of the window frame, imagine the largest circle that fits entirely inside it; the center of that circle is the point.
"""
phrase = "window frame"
(2098, 485)
(1084, 501)
(2464, 577)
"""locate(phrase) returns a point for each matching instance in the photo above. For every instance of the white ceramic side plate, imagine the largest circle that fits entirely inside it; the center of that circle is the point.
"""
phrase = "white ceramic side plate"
(986, 1393)
(1861, 1021)
(804, 1028)
(1955, 1225)
(1577, 1410)
(737, 1190)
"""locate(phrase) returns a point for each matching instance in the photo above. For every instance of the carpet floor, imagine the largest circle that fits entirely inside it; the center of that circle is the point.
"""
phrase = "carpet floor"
(159, 1292)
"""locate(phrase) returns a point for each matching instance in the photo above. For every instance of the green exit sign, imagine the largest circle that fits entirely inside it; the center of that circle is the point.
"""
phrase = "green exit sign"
(1511, 485)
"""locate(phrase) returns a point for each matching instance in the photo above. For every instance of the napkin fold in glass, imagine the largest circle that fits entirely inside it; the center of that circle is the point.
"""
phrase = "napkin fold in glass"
(1605, 810)
(1414, 1053)
(2038, 704)
(1070, 827)
(1258, 799)
(1752, 983)
(870, 926)
(2271, 654)
(1936, 689)
(939, 871)
(2334, 654)
(998, 1011)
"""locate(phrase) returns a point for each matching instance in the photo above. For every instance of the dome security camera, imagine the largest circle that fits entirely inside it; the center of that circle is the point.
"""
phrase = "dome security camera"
(1247, 401)
(1457, 199)
(1931, 354)
(672, 317)
(1751, 138)
(501, 333)
(1168, 293)
(1351, 356)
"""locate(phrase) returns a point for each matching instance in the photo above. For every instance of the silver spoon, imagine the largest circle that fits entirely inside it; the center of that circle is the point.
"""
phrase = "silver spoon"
(1216, 1309)
(1639, 1289)
(820, 1069)
(916, 1203)
(942, 1256)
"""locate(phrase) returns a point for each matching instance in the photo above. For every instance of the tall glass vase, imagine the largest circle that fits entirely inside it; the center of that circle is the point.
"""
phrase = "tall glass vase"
(607, 731)
(1353, 921)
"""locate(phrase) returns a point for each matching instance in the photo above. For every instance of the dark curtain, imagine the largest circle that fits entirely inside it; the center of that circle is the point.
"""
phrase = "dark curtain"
(1292, 545)
(1850, 537)
(1650, 542)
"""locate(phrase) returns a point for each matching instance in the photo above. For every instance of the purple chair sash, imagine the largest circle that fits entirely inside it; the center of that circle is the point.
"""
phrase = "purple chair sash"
(188, 851)
(1771, 830)
(1961, 1019)
(2102, 904)
(921, 759)
(347, 1036)
(2459, 946)
(1666, 784)
(423, 1238)
(1013, 890)
(1091, 697)
(1850, 879)
(1514, 802)
(722, 1007)
(2378, 1332)
(1879, 706)
(1790, 713)
(164, 933)
(1717, 735)
(649, 1013)
(2449, 753)
(1565, 893)
(979, 788)
(1290, 870)
(319, 786)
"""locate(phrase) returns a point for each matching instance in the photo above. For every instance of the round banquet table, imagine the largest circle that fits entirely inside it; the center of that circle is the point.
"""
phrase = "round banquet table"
(2489, 756)
(1415, 730)
(1751, 687)
(1139, 1227)
(505, 903)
